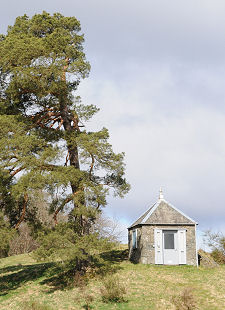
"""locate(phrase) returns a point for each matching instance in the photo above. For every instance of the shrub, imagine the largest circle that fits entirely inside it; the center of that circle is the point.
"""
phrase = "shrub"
(6, 235)
(23, 241)
(216, 241)
(218, 256)
(186, 300)
(74, 253)
(112, 290)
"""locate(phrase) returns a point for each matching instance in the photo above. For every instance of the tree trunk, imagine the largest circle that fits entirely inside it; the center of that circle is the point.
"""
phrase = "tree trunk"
(23, 211)
(70, 124)
(82, 220)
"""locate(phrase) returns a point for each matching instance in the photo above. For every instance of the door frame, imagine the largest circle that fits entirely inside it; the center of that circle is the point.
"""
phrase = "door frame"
(181, 245)
(175, 250)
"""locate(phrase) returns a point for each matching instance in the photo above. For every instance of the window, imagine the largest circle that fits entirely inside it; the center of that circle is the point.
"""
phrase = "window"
(169, 240)
(134, 238)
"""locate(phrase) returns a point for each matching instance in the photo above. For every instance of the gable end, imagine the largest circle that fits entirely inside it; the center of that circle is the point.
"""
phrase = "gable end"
(165, 213)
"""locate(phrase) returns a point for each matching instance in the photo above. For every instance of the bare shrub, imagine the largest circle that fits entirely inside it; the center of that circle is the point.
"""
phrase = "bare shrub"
(40, 201)
(112, 290)
(185, 301)
(107, 227)
(216, 241)
(23, 241)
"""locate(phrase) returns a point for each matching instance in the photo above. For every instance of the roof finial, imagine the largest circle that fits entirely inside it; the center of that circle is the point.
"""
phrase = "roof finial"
(160, 194)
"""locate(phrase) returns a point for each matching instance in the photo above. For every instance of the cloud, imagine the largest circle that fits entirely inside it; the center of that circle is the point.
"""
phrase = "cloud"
(139, 31)
(158, 77)
(171, 138)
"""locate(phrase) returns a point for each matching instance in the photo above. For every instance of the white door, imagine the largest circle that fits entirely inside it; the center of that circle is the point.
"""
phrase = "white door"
(182, 246)
(170, 247)
(158, 247)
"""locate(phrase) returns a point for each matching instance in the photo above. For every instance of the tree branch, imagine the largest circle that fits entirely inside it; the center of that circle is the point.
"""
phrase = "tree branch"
(23, 211)
(92, 164)
(68, 199)
(17, 171)
(60, 124)
(67, 158)
(54, 121)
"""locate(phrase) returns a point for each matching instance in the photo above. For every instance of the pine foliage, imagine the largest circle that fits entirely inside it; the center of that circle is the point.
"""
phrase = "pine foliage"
(44, 144)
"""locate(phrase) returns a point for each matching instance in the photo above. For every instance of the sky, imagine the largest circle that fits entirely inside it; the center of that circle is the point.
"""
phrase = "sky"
(158, 76)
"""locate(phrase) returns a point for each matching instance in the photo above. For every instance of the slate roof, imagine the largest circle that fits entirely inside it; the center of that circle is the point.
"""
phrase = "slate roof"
(162, 212)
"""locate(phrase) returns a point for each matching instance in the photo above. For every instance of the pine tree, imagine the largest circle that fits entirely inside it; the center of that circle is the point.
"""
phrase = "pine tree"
(44, 144)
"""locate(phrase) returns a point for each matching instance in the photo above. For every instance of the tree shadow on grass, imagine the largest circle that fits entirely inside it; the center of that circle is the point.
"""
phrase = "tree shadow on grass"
(115, 256)
(15, 276)
(10, 269)
(108, 263)
(21, 274)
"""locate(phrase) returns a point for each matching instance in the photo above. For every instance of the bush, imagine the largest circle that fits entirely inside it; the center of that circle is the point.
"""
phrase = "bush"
(186, 300)
(112, 290)
(6, 235)
(23, 241)
(73, 252)
(216, 241)
(218, 256)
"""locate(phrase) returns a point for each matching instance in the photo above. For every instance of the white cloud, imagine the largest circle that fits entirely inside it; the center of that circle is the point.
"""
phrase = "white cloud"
(171, 139)
(158, 77)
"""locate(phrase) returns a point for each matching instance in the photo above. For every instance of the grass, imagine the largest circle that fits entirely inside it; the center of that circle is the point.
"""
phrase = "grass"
(25, 282)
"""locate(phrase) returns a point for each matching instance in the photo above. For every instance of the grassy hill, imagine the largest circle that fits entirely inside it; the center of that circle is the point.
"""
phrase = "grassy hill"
(26, 284)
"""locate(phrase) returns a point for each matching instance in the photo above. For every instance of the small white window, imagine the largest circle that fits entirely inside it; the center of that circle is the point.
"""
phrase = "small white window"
(134, 238)
(169, 241)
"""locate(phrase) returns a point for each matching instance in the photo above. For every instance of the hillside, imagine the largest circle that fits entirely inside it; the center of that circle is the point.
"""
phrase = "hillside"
(26, 284)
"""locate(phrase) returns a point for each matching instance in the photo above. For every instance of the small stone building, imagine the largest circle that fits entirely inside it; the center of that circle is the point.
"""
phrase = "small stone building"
(163, 235)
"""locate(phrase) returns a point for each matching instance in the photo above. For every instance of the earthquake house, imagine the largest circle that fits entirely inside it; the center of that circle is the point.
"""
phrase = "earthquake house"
(163, 235)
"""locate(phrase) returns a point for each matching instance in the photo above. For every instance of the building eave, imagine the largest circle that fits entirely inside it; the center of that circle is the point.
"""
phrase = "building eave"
(161, 224)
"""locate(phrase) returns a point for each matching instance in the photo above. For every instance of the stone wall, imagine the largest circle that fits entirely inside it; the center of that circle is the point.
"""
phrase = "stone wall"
(145, 252)
(166, 214)
(135, 254)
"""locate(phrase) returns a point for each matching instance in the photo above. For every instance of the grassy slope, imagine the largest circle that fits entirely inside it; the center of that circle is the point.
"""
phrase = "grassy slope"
(22, 280)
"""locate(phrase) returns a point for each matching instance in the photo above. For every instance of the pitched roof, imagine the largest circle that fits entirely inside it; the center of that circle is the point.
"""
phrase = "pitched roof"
(162, 212)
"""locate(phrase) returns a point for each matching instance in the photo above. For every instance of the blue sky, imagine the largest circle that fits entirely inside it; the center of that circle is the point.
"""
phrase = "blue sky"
(158, 75)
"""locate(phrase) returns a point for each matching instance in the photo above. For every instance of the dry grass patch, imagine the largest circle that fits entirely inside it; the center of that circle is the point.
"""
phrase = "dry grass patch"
(35, 305)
